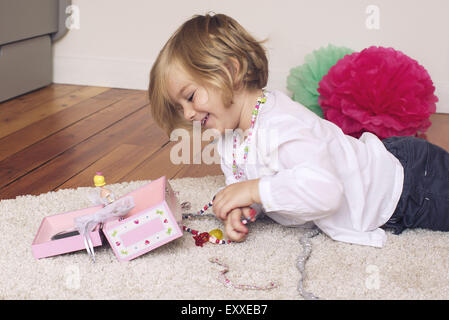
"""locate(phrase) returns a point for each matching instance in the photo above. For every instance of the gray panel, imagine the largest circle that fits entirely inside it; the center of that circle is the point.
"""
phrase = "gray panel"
(62, 29)
(22, 19)
(25, 66)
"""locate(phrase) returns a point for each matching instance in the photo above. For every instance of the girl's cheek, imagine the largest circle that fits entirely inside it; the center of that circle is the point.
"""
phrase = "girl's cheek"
(203, 96)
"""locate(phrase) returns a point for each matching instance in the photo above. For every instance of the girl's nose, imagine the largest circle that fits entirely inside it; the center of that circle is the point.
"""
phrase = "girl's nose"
(189, 114)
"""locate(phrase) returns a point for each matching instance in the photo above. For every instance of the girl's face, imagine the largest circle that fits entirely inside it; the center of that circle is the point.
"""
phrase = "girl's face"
(200, 103)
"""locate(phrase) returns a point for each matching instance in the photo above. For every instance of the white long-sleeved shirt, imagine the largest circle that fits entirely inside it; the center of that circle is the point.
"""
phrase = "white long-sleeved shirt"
(309, 170)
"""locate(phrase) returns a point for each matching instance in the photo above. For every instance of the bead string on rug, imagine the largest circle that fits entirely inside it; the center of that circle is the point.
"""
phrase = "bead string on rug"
(229, 283)
(201, 238)
(302, 259)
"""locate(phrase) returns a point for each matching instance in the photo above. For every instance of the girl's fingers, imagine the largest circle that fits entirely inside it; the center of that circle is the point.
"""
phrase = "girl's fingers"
(222, 209)
(217, 207)
(234, 229)
(249, 213)
(217, 210)
(235, 218)
(233, 234)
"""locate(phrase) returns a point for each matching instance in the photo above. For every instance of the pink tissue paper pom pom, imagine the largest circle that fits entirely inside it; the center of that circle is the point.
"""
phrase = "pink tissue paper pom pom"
(379, 90)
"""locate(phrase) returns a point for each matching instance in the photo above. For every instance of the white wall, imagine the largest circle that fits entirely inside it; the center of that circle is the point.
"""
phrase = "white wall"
(118, 41)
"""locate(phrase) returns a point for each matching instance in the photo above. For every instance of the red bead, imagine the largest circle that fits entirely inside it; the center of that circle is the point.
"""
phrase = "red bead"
(201, 239)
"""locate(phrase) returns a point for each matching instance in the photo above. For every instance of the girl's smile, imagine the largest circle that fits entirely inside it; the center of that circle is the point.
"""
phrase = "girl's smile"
(204, 121)
(199, 103)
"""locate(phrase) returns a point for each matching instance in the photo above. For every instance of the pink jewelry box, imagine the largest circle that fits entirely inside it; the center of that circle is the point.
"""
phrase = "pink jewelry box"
(153, 222)
(43, 246)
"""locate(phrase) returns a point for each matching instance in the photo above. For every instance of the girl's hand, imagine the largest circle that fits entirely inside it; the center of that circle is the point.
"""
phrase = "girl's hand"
(237, 195)
(234, 228)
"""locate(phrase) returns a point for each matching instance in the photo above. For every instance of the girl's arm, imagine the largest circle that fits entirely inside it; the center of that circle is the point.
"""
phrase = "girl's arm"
(237, 194)
(230, 179)
(306, 182)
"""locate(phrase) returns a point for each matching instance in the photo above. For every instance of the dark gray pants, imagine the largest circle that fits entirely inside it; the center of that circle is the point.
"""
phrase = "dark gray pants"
(424, 201)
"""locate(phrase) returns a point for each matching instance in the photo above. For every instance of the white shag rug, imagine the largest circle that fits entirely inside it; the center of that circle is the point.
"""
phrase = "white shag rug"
(413, 265)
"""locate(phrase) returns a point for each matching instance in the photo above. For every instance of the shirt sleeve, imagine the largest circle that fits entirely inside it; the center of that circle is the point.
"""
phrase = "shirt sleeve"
(305, 182)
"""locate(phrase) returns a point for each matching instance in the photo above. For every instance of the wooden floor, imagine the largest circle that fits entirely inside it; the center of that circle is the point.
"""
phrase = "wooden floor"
(59, 136)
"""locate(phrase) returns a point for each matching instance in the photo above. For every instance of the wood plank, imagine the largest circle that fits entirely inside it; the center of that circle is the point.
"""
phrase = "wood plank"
(30, 158)
(114, 166)
(37, 131)
(154, 167)
(438, 133)
(123, 160)
(113, 92)
(199, 170)
(161, 164)
(60, 169)
(16, 121)
(36, 97)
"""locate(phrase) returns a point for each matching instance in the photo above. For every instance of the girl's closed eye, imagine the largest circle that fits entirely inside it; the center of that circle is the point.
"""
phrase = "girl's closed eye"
(191, 97)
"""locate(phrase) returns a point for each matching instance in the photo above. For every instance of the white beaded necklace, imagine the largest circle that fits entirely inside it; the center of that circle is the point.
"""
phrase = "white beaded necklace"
(238, 173)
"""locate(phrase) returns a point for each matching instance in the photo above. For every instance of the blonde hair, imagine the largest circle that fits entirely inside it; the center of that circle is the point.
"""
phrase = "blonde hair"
(206, 47)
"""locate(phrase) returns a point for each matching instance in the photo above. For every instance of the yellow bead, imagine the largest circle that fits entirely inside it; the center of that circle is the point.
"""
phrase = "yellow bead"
(99, 180)
(217, 233)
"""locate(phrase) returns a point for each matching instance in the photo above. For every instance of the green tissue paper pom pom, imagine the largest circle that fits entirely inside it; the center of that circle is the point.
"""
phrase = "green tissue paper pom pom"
(303, 80)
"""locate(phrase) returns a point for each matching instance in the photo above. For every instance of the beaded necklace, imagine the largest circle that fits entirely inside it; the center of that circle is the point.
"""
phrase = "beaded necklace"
(235, 169)
(203, 237)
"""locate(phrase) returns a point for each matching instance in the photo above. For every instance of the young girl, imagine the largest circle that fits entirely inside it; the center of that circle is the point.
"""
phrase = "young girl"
(293, 166)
